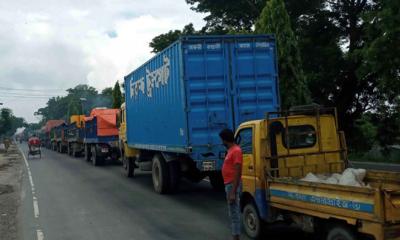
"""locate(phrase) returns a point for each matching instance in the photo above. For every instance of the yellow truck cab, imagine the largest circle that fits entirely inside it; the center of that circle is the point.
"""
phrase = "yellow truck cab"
(127, 154)
(282, 149)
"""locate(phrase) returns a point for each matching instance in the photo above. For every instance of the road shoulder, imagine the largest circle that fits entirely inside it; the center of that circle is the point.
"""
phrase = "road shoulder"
(11, 171)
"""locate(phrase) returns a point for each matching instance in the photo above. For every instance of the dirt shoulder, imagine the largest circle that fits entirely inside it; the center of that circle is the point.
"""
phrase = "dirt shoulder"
(11, 169)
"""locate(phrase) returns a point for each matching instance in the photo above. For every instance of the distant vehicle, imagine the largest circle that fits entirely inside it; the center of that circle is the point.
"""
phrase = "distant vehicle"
(178, 102)
(281, 149)
(101, 136)
(75, 134)
(47, 132)
(59, 141)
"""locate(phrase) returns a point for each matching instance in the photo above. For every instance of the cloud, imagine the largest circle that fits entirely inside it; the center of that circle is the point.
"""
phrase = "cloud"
(57, 46)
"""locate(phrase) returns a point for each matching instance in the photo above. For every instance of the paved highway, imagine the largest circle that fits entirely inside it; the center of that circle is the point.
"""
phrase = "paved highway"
(377, 166)
(78, 201)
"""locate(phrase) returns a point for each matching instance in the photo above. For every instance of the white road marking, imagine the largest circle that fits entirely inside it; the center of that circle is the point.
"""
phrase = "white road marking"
(35, 207)
(206, 180)
(39, 232)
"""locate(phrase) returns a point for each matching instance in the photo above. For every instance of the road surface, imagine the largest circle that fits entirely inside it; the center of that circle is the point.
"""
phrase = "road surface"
(71, 199)
(377, 166)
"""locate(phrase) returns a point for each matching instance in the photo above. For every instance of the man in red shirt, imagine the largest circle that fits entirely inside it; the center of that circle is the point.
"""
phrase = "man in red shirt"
(232, 174)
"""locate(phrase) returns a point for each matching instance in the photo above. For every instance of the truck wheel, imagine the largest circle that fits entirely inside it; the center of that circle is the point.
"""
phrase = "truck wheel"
(69, 149)
(217, 182)
(340, 232)
(96, 160)
(174, 175)
(160, 174)
(88, 154)
(251, 221)
(129, 167)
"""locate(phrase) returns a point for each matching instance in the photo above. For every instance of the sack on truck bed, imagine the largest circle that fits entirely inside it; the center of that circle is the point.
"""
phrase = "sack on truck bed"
(349, 177)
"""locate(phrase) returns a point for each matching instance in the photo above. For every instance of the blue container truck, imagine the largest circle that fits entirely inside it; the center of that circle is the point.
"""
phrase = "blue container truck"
(179, 101)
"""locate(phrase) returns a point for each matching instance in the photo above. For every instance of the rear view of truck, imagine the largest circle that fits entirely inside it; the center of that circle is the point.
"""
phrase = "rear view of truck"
(101, 136)
(178, 102)
(75, 135)
(47, 130)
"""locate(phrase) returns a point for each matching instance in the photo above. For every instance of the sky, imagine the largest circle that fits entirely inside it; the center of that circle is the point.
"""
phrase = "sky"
(49, 46)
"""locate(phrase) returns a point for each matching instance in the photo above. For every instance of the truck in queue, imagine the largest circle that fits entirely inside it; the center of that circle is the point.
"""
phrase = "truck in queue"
(50, 124)
(178, 101)
(60, 138)
(281, 149)
(101, 136)
(75, 136)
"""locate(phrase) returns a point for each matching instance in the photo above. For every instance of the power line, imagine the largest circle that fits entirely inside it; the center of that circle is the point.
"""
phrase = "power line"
(25, 95)
(34, 90)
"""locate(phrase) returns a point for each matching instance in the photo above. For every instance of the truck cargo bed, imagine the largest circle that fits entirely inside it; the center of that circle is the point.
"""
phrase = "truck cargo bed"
(378, 203)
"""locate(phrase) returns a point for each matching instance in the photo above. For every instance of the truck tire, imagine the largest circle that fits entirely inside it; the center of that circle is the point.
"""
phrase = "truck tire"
(88, 155)
(217, 182)
(129, 167)
(252, 222)
(174, 175)
(160, 174)
(340, 232)
(69, 151)
(74, 152)
(96, 159)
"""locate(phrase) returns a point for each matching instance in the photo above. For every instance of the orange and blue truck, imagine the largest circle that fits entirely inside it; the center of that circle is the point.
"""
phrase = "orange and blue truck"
(101, 136)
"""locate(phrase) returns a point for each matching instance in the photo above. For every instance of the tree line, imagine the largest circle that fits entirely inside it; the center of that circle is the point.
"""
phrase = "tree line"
(340, 53)
(80, 100)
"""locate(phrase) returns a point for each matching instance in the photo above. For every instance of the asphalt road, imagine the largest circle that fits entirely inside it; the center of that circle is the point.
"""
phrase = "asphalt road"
(76, 200)
(377, 166)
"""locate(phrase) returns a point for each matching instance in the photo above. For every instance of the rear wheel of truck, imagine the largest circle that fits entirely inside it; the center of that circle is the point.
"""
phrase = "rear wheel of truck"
(340, 232)
(96, 159)
(69, 151)
(128, 164)
(217, 182)
(88, 154)
(251, 221)
(159, 174)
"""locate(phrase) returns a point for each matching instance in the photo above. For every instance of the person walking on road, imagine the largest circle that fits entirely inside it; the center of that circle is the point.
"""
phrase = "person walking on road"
(232, 174)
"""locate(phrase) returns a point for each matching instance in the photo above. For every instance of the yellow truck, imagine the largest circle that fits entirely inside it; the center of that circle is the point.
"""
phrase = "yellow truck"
(283, 148)
(128, 155)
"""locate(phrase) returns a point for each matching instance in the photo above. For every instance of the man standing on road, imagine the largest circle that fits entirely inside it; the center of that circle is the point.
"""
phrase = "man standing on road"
(232, 174)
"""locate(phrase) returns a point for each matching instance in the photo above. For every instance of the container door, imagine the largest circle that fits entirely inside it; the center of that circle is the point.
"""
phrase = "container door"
(254, 78)
(208, 91)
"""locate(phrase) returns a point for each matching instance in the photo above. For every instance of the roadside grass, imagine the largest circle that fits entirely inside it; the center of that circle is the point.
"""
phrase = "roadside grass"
(375, 155)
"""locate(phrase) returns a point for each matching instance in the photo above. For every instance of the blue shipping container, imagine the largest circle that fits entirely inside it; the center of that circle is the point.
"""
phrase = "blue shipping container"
(180, 99)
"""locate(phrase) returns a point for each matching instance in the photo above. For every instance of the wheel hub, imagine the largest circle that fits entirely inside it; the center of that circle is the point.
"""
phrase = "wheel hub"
(251, 221)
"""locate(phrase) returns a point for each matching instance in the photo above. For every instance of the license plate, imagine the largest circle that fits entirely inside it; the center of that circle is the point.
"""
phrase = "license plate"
(104, 150)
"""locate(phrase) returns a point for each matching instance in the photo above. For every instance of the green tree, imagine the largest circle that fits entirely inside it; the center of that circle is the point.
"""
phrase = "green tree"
(162, 41)
(117, 96)
(366, 133)
(5, 121)
(293, 87)
(229, 14)
(9, 123)
(63, 107)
